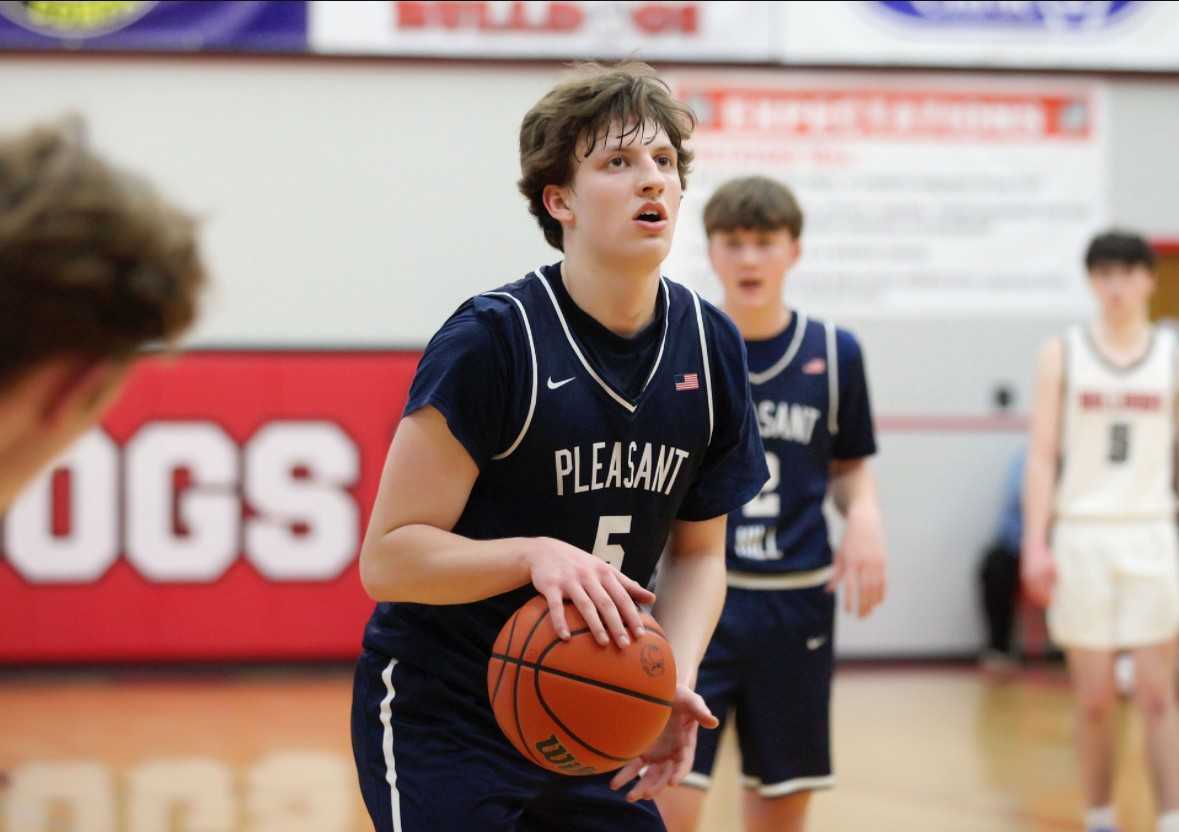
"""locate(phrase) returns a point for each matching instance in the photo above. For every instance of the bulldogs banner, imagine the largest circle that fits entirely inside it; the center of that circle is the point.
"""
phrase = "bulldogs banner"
(216, 514)
(685, 31)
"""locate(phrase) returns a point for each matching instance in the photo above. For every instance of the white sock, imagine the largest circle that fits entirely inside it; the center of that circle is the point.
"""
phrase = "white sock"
(1169, 822)
(1100, 818)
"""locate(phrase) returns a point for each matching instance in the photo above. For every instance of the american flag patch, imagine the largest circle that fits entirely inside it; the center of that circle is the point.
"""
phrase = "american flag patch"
(814, 366)
(688, 381)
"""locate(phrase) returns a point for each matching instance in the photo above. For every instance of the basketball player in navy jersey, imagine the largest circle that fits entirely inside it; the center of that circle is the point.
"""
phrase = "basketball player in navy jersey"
(1100, 480)
(94, 264)
(770, 660)
(560, 431)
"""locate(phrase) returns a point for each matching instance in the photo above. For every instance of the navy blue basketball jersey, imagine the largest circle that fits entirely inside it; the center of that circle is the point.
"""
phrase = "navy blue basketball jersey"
(563, 454)
(811, 398)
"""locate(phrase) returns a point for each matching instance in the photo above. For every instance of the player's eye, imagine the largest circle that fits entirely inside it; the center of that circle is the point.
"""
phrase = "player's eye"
(616, 162)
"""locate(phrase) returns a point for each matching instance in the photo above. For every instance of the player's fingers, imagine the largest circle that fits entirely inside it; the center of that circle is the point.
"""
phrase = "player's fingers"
(836, 572)
(625, 604)
(850, 592)
(653, 781)
(608, 610)
(636, 590)
(698, 710)
(589, 612)
(869, 590)
(627, 773)
(556, 602)
(683, 766)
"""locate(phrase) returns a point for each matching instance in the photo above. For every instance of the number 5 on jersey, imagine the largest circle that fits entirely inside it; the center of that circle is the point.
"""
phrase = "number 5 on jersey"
(608, 525)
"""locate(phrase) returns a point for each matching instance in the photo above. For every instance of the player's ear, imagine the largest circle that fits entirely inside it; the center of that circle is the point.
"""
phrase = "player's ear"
(557, 202)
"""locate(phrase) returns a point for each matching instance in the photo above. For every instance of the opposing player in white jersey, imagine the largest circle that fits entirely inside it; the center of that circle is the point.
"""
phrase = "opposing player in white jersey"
(1100, 481)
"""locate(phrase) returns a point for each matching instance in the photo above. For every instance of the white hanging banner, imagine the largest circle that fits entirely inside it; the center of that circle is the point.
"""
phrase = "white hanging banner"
(975, 196)
(684, 31)
(1122, 34)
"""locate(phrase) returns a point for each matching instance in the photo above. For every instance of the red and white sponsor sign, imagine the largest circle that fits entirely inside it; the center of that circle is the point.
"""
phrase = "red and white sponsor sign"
(684, 31)
(898, 114)
(919, 194)
(217, 514)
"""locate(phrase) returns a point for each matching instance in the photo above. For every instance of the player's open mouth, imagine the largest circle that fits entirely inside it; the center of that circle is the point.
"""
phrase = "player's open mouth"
(652, 216)
(749, 283)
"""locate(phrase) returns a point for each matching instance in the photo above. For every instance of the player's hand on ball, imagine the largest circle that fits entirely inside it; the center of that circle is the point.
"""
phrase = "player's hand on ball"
(669, 760)
(606, 599)
(1039, 574)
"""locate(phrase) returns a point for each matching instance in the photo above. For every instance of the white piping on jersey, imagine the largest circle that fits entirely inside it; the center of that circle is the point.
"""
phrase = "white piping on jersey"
(704, 357)
(788, 580)
(630, 408)
(663, 342)
(788, 356)
(788, 786)
(387, 744)
(1088, 340)
(832, 379)
(532, 349)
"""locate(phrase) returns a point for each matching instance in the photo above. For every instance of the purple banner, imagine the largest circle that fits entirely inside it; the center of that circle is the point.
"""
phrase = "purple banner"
(164, 25)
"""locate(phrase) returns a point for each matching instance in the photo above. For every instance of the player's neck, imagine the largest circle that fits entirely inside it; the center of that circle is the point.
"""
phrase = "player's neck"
(21, 439)
(619, 299)
(1125, 333)
(761, 322)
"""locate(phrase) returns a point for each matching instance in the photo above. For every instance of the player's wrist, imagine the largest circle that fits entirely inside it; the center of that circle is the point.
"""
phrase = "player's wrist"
(527, 552)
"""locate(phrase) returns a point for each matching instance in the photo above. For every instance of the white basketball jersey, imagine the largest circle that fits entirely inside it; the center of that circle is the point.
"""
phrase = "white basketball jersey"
(1119, 432)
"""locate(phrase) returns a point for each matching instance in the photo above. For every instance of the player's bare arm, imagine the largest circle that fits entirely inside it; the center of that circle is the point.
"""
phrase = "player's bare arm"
(861, 560)
(691, 595)
(411, 554)
(1038, 566)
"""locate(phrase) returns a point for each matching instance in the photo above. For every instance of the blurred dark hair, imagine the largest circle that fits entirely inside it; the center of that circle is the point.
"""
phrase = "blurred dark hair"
(1122, 247)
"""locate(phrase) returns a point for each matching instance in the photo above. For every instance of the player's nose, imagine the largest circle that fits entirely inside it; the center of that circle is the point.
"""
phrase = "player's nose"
(650, 180)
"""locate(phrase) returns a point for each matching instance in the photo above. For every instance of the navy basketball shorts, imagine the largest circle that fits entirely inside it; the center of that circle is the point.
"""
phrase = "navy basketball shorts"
(769, 665)
(432, 759)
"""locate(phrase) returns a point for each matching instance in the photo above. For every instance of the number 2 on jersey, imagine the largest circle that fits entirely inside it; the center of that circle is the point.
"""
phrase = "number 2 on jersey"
(767, 503)
(610, 524)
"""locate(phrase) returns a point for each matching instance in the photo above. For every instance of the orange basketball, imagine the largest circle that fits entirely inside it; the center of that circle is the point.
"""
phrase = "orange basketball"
(576, 707)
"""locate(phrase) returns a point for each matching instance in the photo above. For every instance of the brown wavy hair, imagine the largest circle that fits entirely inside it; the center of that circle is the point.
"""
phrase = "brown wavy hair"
(753, 202)
(93, 261)
(581, 111)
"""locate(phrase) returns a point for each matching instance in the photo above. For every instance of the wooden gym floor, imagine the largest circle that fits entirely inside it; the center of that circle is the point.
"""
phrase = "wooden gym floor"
(917, 748)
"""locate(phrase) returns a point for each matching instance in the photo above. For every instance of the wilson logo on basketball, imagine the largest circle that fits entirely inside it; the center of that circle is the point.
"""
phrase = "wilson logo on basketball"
(552, 750)
(652, 660)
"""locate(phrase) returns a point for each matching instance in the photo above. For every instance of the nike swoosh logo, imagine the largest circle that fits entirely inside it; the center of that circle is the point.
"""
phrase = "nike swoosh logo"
(553, 385)
(815, 643)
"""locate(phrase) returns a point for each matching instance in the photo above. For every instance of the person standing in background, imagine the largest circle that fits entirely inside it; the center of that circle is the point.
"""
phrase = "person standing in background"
(1099, 540)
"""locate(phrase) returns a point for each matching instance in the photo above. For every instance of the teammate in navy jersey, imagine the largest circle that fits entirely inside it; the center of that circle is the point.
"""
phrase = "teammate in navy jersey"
(560, 431)
(770, 660)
